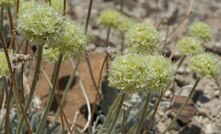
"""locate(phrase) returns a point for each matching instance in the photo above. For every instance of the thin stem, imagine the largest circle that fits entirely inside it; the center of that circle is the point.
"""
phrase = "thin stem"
(116, 113)
(157, 104)
(64, 7)
(17, 6)
(67, 87)
(51, 96)
(97, 94)
(122, 43)
(7, 108)
(15, 89)
(33, 86)
(121, 5)
(36, 76)
(107, 44)
(2, 19)
(123, 122)
(12, 40)
(88, 15)
(142, 117)
(109, 118)
(182, 107)
(181, 61)
(57, 98)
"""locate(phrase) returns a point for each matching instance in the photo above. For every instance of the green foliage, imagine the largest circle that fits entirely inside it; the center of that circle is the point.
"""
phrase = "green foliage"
(201, 31)
(142, 38)
(160, 74)
(128, 73)
(40, 24)
(189, 46)
(206, 65)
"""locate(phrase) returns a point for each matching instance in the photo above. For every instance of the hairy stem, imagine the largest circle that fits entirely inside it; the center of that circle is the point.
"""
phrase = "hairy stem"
(142, 117)
(51, 96)
(110, 129)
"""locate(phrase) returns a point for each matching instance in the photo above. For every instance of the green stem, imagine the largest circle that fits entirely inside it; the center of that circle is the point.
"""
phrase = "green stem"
(88, 15)
(51, 96)
(157, 104)
(116, 113)
(33, 86)
(123, 122)
(142, 117)
(181, 61)
(67, 87)
(2, 19)
(108, 119)
(107, 44)
(182, 107)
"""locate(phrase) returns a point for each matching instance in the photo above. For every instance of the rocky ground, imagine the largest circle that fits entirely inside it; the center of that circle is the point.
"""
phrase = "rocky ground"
(203, 113)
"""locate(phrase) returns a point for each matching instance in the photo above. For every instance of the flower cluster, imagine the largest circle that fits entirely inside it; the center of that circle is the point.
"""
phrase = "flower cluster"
(7, 3)
(128, 73)
(110, 18)
(160, 74)
(189, 46)
(142, 38)
(206, 65)
(201, 31)
(4, 71)
(41, 24)
(133, 72)
(74, 39)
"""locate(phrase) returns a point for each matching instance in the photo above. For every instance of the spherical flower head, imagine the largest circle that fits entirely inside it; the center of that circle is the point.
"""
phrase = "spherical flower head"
(201, 31)
(124, 24)
(142, 38)
(74, 39)
(40, 24)
(110, 18)
(7, 3)
(4, 70)
(206, 65)
(189, 46)
(160, 74)
(128, 73)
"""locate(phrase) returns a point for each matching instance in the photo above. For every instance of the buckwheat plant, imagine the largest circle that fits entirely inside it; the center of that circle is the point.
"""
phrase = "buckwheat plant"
(41, 24)
(142, 38)
(205, 65)
(160, 76)
(201, 31)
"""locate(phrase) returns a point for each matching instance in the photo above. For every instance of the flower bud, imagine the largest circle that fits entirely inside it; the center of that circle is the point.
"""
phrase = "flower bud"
(206, 65)
(160, 74)
(189, 46)
(142, 38)
(40, 24)
(128, 73)
(201, 31)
